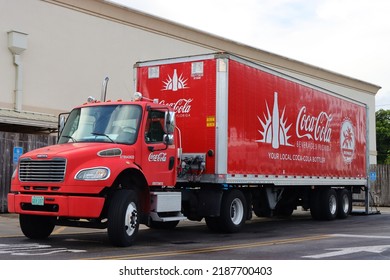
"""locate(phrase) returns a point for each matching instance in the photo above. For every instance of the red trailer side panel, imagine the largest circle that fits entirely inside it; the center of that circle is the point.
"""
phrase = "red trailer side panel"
(276, 125)
(190, 88)
(280, 127)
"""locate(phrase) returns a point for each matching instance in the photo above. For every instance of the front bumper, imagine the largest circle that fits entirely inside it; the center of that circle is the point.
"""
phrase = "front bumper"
(56, 205)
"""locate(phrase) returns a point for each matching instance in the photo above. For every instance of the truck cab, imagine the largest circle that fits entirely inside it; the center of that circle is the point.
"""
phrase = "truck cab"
(111, 160)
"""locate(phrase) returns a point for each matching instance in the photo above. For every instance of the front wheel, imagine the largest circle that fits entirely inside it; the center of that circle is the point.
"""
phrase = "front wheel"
(233, 211)
(36, 227)
(123, 219)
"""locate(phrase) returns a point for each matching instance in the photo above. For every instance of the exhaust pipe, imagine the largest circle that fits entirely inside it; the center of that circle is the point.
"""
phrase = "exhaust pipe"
(104, 89)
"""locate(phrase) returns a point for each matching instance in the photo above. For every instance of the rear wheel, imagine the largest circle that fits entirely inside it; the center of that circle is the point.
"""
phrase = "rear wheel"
(344, 201)
(123, 220)
(233, 211)
(315, 204)
(36, 227)
(329, 204)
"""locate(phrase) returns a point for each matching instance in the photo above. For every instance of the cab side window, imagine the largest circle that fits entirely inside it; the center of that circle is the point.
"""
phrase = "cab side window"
(154, 127)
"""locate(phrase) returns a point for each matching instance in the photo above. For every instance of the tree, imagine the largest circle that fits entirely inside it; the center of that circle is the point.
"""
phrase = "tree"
(383, 136)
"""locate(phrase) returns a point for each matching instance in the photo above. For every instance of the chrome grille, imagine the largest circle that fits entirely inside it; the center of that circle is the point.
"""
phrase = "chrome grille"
(42, 170)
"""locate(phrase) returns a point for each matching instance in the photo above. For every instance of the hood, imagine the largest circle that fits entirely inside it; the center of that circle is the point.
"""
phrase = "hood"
(69, 149)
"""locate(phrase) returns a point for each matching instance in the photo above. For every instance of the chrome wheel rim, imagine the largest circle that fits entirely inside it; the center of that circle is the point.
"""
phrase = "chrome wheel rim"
(236, 211)
(131, 219)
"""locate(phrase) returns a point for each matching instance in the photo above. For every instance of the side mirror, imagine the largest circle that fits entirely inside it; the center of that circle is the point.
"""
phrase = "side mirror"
(169, 122)
(61, 122)
(168, 139)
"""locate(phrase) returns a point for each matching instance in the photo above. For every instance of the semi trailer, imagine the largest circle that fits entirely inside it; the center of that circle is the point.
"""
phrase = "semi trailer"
(211, 137)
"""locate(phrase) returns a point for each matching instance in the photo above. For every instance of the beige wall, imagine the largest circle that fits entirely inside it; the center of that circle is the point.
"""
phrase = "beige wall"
(74, 44)
(69, 53)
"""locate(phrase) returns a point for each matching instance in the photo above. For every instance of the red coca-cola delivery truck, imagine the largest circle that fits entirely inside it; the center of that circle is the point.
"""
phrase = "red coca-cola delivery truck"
(211, 137)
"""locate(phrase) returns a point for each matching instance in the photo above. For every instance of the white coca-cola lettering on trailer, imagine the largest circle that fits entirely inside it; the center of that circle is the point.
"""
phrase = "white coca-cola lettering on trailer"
(314, 127)
(181, 106)
(174, 83)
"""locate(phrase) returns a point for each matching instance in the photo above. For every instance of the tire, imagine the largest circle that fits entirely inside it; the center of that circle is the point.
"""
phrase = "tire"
(315, 204)
(344, 201)
(262, 212)
(123, 218)
(329, 204)
(233, 211)
(36, 227)
(163, 225)
(213, 224)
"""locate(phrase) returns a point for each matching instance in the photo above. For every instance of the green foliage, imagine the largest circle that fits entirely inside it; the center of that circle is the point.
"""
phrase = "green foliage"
(383, 136)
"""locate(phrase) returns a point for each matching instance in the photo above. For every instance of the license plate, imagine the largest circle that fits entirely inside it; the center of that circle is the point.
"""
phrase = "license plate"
(38, 200)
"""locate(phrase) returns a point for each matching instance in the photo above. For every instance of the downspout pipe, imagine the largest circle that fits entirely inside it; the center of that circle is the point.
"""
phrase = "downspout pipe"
(18, 82)
(17, 44)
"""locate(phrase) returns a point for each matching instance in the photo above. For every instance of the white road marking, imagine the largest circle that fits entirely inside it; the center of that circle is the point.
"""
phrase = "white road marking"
(352, 250)
(346, 251)
(362, 236)
(34, 249)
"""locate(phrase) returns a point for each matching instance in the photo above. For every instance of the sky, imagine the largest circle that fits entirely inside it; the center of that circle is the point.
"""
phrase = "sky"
(350, 37)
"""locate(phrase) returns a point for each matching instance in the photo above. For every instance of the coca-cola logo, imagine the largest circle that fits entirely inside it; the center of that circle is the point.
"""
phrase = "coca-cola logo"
(160, 157)
(347, 141)
(175, 82)
(315, 127)
(181, 106)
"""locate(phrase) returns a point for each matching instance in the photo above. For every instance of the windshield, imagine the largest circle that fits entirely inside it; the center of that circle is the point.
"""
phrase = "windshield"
(114, 123)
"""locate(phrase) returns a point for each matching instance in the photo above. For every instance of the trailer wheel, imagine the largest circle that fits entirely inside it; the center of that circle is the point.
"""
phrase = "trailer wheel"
(233, 211)
(123, 219)
(328, 203)
(36, 227)
(344, 201)
(315, 204)
(261, 211)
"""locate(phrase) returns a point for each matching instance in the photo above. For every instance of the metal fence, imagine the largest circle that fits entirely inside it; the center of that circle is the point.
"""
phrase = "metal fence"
(380, 187)
(12, 145)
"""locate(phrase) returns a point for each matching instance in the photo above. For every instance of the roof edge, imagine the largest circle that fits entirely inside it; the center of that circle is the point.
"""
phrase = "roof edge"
(131, 17)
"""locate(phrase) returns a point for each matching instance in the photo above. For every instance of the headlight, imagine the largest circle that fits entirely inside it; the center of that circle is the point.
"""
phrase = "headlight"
(93, 174)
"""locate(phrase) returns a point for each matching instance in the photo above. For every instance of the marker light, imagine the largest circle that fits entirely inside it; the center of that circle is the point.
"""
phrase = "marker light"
(138, 96)
(91, 99)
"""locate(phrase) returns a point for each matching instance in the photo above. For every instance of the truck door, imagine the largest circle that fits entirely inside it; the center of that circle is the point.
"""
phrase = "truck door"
(159, 164)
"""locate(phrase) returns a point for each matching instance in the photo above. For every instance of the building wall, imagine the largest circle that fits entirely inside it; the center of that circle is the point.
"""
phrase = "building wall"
(74, 44)
(70, 52)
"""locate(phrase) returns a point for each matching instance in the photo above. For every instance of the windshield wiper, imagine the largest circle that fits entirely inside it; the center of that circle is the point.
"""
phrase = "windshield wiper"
(69, 137)
(102, 134)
